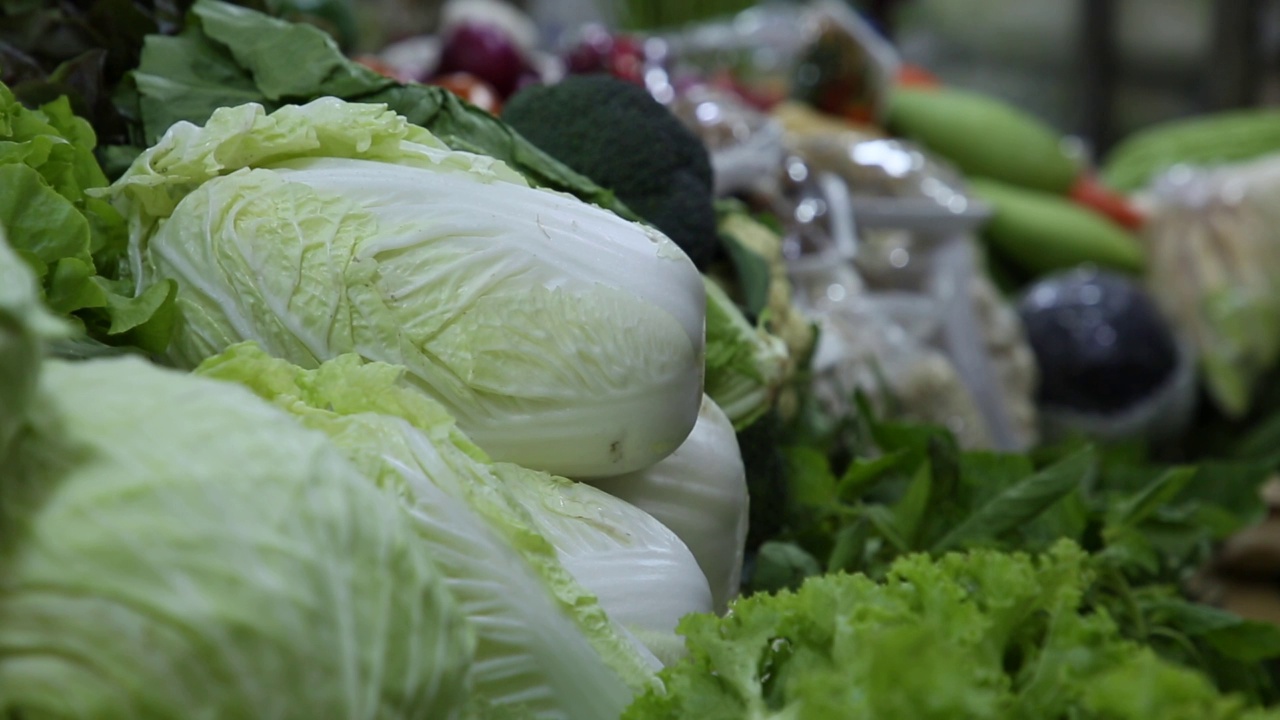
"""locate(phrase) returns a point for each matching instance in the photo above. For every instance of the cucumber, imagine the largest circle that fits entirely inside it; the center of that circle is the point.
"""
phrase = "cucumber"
(984, 137)
(1042, 232)
(1208, 140)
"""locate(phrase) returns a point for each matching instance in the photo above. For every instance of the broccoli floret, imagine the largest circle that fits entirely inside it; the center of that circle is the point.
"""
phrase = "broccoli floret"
(615, 133)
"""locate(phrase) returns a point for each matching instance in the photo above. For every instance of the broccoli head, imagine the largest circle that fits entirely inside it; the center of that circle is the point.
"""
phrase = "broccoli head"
(617, 134)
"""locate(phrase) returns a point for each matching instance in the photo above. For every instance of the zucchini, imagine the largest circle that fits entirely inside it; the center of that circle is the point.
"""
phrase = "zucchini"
(1209, 140)
(1042, 232)
(984, 137)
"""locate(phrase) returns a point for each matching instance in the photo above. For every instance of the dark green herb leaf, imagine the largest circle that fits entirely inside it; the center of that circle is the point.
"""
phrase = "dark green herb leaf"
(850, 549)
(782, 566)
(863, 474)
(909, 513)
(886, 524)
(1134, 510)
(1233, 636)
(811, 483)
(1021, 502)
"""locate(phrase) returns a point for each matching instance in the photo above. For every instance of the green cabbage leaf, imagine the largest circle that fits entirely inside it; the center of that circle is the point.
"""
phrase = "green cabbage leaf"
(562, 581)
(173, 547)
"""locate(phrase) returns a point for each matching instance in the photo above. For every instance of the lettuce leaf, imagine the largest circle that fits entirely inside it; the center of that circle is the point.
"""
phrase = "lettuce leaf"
(74, 242)
(25, 325)
(984, 634)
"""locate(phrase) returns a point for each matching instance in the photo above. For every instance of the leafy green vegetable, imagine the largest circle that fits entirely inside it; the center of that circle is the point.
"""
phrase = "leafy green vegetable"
(171, 545)
(509, 542)
(81, 51)
(761, 284)
(767, 479)
(25, 325)
(73, 241)
(561, 336)
(985, 634)
(752, 273)
(335, 17)
(1149, 527)
(782, 565)
(230, 55)
(1021, 502)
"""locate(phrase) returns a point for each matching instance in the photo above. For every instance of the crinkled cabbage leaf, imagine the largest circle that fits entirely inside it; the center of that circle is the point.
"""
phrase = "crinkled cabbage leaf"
(172, 547)
(526, 553)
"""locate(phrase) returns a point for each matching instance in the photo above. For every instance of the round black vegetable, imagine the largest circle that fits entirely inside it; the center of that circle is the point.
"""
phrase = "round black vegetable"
(1101, 344)
(616, 134)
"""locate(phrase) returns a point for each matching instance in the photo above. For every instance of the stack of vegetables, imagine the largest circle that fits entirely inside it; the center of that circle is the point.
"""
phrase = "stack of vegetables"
(329, 394)
(414, 320)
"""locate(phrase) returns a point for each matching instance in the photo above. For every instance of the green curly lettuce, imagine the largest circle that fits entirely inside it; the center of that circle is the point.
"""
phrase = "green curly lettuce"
(986, 634)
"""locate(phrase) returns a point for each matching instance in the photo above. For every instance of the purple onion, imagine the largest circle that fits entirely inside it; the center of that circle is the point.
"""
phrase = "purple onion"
(486, 52)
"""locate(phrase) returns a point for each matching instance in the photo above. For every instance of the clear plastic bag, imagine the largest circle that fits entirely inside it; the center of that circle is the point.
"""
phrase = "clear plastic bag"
(1213, 248)
(877, 344)
(904, 288)
(878, 233)
(780, 49)
(745, 144)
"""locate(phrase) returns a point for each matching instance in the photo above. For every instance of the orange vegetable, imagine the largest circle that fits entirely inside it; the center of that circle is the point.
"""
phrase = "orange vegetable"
(917, 77)
(1091, 194)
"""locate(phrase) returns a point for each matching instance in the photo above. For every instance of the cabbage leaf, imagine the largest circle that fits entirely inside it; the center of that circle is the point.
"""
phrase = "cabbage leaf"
(172, 547)
(512, 542)
(700, 492)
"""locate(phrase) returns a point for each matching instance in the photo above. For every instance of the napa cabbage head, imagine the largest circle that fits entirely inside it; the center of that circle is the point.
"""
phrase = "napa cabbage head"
(172, 547)
(642, 572)
(560, 336)
(575, 595)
